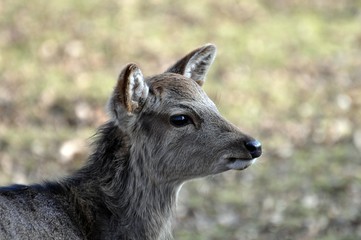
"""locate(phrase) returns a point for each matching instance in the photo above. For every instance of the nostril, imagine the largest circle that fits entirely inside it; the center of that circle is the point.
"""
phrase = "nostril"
(255, 148)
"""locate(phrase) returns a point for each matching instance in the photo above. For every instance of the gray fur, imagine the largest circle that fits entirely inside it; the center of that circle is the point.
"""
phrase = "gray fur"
(128, 188)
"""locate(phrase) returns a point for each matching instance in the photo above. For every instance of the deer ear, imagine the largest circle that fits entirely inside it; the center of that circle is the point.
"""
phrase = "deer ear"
(131, 90)
(196, 64)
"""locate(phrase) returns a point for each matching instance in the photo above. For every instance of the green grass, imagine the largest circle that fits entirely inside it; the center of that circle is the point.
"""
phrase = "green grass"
(287, 72)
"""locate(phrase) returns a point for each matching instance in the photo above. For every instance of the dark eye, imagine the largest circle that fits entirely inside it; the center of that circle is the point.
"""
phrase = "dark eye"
(180, 120)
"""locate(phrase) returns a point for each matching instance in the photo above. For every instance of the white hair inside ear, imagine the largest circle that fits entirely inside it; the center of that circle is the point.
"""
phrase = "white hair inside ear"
(137, 89)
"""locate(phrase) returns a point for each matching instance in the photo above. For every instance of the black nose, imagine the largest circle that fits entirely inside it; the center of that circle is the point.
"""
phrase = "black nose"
(255, 148)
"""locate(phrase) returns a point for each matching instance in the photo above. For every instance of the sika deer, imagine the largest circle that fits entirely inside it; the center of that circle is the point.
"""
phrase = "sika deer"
(163, 130)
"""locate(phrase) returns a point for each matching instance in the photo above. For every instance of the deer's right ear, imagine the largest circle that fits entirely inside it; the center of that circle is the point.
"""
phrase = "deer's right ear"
(130, 92)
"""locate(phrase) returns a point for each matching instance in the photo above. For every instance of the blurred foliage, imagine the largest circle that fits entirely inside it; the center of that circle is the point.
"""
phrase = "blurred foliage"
(287, 72)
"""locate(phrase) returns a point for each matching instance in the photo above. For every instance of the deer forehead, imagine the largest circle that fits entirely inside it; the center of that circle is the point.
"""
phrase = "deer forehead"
(177, 88)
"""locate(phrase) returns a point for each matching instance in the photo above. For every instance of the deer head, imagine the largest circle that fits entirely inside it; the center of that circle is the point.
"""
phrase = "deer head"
(175, 131)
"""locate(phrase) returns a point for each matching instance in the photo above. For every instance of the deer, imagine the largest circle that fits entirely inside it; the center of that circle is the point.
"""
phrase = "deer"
(162, 131)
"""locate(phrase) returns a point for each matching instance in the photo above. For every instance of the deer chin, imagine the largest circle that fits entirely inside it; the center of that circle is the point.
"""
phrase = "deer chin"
(239, 164)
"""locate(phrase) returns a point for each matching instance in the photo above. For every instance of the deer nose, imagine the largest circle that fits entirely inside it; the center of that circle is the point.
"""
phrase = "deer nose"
(255, 148)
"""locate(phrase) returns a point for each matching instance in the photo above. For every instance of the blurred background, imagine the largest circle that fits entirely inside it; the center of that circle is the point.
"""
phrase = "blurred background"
(287, 72)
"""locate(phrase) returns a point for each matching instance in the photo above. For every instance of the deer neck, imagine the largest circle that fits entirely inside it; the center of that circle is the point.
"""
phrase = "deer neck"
(147, 208)
(134, 204)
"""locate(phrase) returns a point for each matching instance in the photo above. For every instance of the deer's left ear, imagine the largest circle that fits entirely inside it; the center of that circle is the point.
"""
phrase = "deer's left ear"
(195, 65)
(130, 92)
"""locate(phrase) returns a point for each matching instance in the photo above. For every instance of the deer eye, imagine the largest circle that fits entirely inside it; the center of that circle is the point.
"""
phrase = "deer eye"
(180, 120)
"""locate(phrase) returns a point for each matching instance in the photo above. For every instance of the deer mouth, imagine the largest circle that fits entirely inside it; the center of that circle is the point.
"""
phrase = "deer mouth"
(239, 164)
